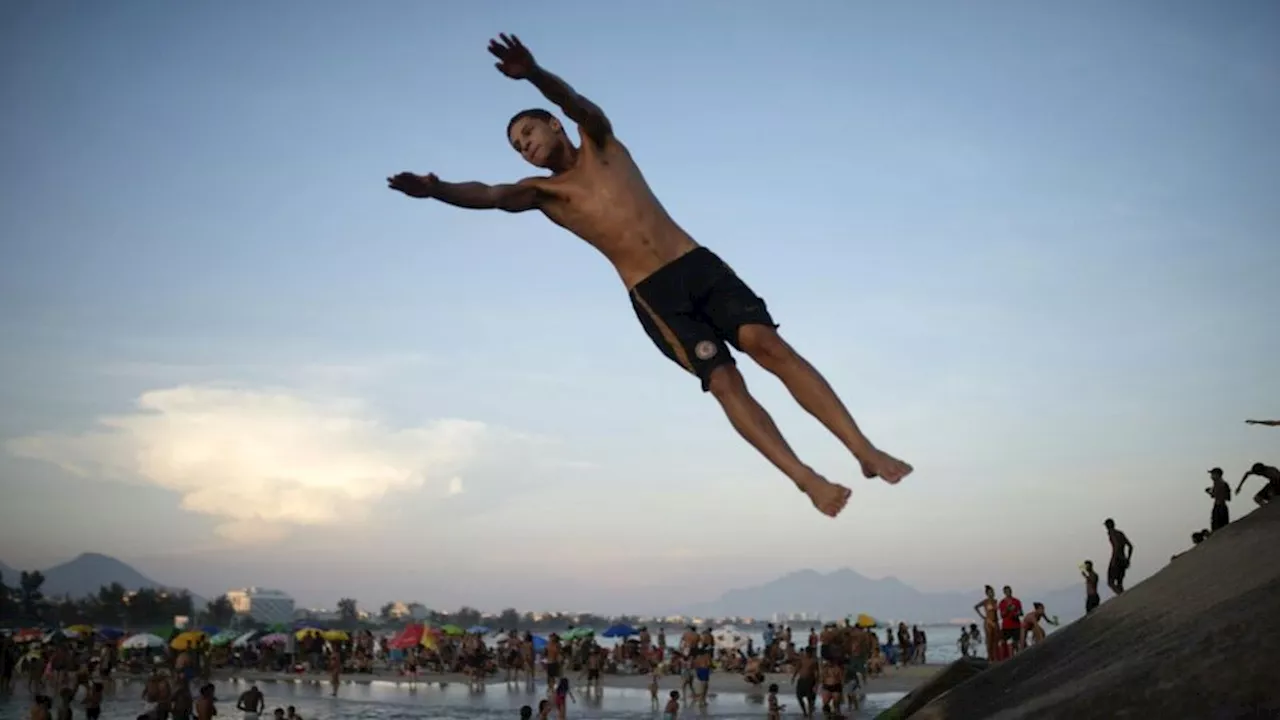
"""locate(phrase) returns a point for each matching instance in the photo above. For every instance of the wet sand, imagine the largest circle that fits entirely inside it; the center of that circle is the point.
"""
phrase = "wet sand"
(893, 680)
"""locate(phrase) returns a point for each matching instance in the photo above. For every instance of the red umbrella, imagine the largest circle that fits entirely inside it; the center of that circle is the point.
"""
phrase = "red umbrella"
(28, 635)
(409, 637)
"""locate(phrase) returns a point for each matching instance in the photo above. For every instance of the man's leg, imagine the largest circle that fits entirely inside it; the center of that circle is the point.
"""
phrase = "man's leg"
(815, 395)
(754, 424)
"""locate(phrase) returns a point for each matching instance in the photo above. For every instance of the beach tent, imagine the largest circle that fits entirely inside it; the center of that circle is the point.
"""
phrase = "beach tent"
(141, 641)
(619, 630)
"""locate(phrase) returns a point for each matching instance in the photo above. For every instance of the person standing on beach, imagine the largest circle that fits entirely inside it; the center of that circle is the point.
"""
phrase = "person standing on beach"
(1270, 490)
(987, 610)
(1220, 491)
(702, 671)
(335, 667)
(553, 659)
(1121, 555)
(205, 708)
(1091, 598)
(805, 678)
(1010, 622)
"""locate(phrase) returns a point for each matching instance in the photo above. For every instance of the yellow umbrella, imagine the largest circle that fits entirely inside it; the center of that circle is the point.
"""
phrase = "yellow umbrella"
(81, 629)
(335, 636)
(866, 621)
(428, 641)
(187, 640)
(307, 632)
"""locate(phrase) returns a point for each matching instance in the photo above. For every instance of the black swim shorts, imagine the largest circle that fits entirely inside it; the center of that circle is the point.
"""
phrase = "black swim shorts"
(693, 307)
(1116, 569)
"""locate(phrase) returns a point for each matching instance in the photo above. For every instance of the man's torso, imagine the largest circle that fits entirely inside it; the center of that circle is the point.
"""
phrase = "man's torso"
(605, 200)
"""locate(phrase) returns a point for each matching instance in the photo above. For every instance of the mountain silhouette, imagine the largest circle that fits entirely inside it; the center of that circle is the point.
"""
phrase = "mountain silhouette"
(85, 574)
(8, 575)
(843, 592)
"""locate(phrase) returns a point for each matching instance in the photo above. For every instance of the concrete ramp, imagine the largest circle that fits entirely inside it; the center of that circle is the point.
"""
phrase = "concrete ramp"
(1198, 640)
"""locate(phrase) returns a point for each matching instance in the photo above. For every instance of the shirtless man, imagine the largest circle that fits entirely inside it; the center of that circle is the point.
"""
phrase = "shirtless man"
(251, 703)
(205, 708)
(1091, 598)
(689, 301)
(805, 678)
(1220, 491)
(1269, 491)
(1121, 554)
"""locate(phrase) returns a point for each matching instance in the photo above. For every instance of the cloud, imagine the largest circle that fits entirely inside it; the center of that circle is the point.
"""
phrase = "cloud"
(264, 462)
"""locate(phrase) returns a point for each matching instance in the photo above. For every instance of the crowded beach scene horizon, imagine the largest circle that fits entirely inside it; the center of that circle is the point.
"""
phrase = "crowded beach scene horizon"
(583, 360)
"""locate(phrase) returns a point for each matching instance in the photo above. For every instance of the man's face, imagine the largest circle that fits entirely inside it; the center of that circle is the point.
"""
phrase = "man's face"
(1008, 591)
(536, 140)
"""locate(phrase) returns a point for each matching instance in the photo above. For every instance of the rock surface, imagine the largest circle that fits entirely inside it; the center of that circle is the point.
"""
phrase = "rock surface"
(1199, 639)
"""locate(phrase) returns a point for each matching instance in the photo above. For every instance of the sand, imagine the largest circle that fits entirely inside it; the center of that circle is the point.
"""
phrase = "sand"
(895, 680)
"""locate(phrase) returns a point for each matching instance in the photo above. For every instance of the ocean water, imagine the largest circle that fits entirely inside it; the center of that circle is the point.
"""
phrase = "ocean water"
(387, 701)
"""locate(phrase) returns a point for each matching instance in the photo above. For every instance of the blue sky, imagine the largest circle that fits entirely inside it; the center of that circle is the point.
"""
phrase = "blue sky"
(1032, 244)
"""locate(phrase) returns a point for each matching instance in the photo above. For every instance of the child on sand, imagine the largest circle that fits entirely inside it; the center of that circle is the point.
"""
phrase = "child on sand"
(653, 690)
(563, 691)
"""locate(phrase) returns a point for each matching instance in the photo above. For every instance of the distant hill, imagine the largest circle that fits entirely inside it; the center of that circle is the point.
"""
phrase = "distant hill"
(83, 576)
(839, 593)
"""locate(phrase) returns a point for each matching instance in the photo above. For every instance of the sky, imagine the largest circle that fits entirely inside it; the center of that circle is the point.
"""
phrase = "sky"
(1031, 244)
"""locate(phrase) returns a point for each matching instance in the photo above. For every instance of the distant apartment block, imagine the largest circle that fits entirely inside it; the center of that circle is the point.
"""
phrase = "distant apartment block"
(262, 604)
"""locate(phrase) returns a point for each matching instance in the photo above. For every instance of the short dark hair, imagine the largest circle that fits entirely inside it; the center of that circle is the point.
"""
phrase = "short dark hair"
(535, 113)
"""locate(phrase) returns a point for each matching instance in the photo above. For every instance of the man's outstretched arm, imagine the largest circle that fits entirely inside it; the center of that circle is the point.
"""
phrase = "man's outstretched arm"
(515, 61)
(519, 197)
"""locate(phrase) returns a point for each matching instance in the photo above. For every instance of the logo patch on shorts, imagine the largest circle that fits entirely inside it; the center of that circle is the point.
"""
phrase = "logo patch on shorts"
(705, 350)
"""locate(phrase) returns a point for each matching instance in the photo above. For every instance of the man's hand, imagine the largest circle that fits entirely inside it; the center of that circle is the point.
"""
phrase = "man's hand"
(417, 186)
(514, 59)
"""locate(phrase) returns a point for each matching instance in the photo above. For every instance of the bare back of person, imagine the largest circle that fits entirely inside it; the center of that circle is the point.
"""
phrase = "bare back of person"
(689, 301)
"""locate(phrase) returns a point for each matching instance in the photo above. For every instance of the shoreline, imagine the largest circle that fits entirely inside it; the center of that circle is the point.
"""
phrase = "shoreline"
(894, 680)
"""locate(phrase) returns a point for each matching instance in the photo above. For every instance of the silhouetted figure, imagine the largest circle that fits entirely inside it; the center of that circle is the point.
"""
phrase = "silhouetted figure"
(1270, 423)
(1091, 599)
(1121, 555)
(1268, 491)
(1220, 491)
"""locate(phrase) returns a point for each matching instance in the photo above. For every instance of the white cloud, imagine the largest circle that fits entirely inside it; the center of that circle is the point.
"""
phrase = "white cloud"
(263, 461)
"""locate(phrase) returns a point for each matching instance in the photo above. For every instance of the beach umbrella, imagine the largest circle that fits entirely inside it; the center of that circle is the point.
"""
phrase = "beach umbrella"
(335, 636)
(210, 630)
(451, 630)
(187, 640)
(865, 621)
(578, 632)
(619, 630)
(539, 643)
(226, 637)
(28, 635)
(274, 639)
(80, 629)
(478, 630)
(307, 632)
(729, 637)
(110, 633)
(142, 640)
(245, 639)
(407, 638)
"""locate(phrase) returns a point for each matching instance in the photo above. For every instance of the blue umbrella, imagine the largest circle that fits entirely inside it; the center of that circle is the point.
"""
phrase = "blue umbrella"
(110, 633)
(478, 630)
(539, 643)
(209, 630)
(619, 630)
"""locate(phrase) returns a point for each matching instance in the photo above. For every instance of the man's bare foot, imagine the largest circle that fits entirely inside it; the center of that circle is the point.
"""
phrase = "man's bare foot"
(877, 463)
(827, 496)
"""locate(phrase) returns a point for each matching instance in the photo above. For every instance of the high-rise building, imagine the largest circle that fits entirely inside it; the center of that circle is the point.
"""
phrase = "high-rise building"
(263, 605)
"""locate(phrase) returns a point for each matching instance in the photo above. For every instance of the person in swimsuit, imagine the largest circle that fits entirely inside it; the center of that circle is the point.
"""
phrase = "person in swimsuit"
(1220, 491)
(702, 671)
(775, 708)
(672, 710)
(692, 304)
(1031, 624)
(986, 609)
(562, 692)
(93, 701)
(251, 703)
(805, 678)
(832, 688)
(1091, 598)
(1121, 555)
(1270, 490)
